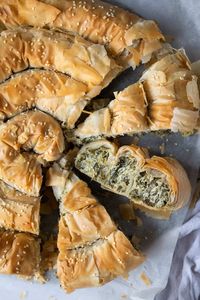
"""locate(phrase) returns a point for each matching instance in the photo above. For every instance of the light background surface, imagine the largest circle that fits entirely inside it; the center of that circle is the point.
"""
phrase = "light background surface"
(178, 19)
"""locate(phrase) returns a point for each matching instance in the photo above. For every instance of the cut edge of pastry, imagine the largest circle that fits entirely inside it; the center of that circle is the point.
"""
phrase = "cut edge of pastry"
(130, 174)
(165, 98)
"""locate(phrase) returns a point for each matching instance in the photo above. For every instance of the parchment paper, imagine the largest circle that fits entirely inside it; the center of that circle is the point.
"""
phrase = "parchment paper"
(180, 19)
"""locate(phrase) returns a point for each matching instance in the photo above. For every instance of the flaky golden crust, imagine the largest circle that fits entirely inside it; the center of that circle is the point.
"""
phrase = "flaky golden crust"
(32, 130)
(91, 249)
(126, 114)
(18, 211)
(14, 13)
(19, 254)
(68, 53)
(78, 197)
(76, 270)
(84, 227)
(129, 110)
(172, 93)
(175, 176)
(125, 34)
(96, 124)
(22, 171)
(136, 152)
(165, 98)
(97, 264)
(83, 219)
(55, 93)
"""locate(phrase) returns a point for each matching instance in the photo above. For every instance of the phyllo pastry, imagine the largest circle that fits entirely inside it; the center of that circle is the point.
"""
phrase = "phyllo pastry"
(165, 98)
(92, 251)
(156, 185)
(32, 130)
(18, 211)
(126, 114)
(127, 36)
(19, 254)
(172, 92)
(23, 48)
(53, 92)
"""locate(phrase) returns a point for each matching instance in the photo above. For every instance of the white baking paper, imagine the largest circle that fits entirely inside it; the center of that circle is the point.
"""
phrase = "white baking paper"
(178, 19)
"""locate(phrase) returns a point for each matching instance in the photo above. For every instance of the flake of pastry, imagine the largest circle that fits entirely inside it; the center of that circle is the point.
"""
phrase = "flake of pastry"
(145, 279)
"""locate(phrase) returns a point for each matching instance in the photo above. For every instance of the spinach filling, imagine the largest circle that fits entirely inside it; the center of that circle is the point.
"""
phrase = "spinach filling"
(94, 163)
(121, 175)
(151, 187)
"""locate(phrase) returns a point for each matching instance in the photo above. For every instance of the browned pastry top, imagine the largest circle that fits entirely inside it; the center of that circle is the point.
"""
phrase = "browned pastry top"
(19, 254)
(92, 251)
(31, 130)
(68, 53)
(18, 211)
(123, 33)
(55, 93)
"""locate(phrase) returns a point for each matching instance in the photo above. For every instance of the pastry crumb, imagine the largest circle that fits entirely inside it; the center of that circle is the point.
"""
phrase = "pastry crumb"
(87, 112)
(124, 296)
(145, 279)
(49, 254)
(23, 295)
(136, 140)
(135, 240)
(162, 148)
(139, 221)
(127, 212)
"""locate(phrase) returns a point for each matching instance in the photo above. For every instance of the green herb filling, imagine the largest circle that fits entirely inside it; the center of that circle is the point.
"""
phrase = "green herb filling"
(151, 187)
